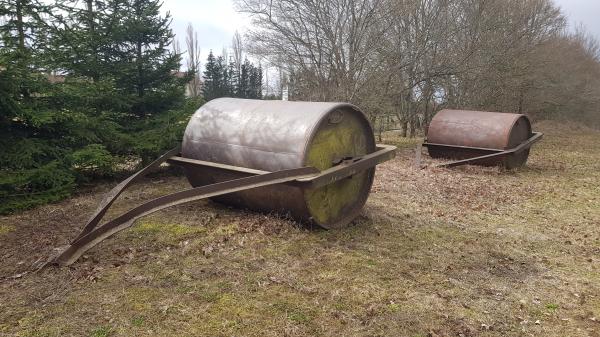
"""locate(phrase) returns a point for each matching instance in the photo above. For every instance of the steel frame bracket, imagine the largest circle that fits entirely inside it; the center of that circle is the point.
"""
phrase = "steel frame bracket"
(343, 170)
(535, 137)
(92, 234)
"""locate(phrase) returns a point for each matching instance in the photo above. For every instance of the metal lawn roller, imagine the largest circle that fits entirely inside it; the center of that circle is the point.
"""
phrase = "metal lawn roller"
(481, 138)
(314, 161)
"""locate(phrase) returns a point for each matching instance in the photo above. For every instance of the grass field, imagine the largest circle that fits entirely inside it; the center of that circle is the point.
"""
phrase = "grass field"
(463, 252)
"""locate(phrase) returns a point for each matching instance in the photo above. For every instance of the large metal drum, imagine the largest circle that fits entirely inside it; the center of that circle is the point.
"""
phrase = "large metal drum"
(460, 134)
(277, 135)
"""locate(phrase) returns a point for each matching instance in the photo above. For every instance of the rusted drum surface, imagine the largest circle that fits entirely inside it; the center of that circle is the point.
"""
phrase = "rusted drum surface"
(277, 135)
(479, 129)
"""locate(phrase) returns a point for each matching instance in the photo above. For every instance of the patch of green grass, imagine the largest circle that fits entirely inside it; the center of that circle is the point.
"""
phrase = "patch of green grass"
(293, 312)
(552, 306)
(138, 321)
(210, 296)
(170, 229)
(102, 331)
(298, 317)
(393, 307)
(340, 306)
(227, 315)
(5, 229)
(226, 230)
(32, 325)
(139, 299)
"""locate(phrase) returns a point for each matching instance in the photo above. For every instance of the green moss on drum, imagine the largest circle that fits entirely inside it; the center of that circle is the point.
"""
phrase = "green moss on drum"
(331, 143)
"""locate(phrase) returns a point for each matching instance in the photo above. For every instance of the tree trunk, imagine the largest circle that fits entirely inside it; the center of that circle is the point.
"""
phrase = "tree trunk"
(22, 51)
(413, 126)
(521, 99)
(20, 26)
(380, 130)
(93, 43)
(140, 74)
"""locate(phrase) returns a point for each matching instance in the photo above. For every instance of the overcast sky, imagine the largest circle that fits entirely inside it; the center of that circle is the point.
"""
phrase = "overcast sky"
(586, 12)
(216, 20)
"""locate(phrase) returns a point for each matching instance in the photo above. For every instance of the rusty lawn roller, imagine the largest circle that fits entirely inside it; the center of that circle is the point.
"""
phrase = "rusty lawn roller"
(481, 138)
(314, 161)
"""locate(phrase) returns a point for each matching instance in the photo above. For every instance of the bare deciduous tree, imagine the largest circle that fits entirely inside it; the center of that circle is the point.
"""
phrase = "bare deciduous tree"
(404, 59)
(238, 50)
(327, 43)
(177, 49)
(193, 60)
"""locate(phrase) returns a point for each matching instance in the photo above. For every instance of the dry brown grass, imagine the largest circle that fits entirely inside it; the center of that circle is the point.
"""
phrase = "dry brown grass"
(464, 252)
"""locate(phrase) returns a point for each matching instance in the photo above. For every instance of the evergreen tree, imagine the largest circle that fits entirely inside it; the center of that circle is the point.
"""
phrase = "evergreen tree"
(243, 86)
(233, 76)
(212, 78)
(221, 80)
(145, 66)
(256, 83)
(125, 41)
(81, 38)
(19, 35)
(216, 78)
(33, 165)
(77, 126)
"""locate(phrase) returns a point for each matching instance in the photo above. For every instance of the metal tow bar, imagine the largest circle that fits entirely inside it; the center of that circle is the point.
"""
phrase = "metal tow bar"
(496, 152)
(92, 234)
